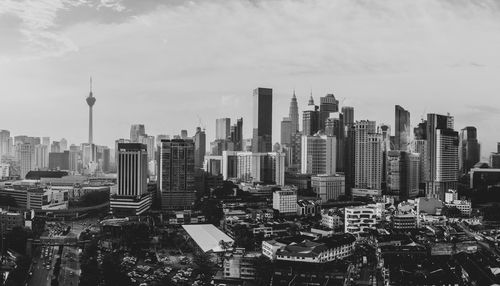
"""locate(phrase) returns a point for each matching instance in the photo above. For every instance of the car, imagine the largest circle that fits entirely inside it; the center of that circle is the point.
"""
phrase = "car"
(71, 274)
(47, 267)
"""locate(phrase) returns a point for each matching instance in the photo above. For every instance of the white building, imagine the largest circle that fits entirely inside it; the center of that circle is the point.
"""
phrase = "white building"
(285, 201)
(328, 187)
(268, 168)
(368, 159)
(318, 154)
(360, 219)
(330, 219)
(4, 170)
(464, 206)
(450, 196)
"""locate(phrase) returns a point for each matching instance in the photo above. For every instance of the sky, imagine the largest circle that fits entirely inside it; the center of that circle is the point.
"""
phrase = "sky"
(175, 65)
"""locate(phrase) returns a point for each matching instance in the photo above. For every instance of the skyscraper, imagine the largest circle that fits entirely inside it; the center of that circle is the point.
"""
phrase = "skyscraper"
(368, 159)
(176, 182)
(293, 114)
(470, 149)
(199, 148)
(91, 101)
(136, 131)
(442, 155)
(286, 131)
(402, 132)
(132, 197)
(222, 128)
(5, 148)
(26, 156)
(63, 144)
(237, 135)
(402, 174)
(310, 118)
(334, 126)
(327, 104)
(318, 154)
(262, 120)
(349, 157)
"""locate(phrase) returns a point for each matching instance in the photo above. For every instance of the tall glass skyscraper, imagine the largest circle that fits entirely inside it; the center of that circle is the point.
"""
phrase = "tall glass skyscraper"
(262, 120)
(402, 132)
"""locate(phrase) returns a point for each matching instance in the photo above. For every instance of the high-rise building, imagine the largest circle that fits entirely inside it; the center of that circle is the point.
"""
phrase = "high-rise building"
(470, 149)
(402, 171)
(368, 158)
(176, 182)
(74, 157)
(184, 134)
(41, 157)
(149, 141)
(132, 197)
(442, 155)
(318, 154)
(59, 160)
(286, 131)
(262, 120)
(199, 148)
(334, 126)
(136, 132)
(495, 160)
(63, 144)
(55, 147)
(222, 128)
(237, 134)
(327, 105)
(91, 101)
(419, 146)
(26, 156)
(310, 118)
(293, 114)
(402, 132)
(5, 146)
(267, 168)
(349, 157)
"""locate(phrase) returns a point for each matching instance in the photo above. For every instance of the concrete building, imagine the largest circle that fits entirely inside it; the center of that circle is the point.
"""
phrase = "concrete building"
(327, 105)
(132, 197)
(328, 187)
(286, 131)
(26, 157)
(262, 120)
(137, 131)
(176, 182)
(368, 155)
(268, 168)
(331, 219)
(469, 149)
(222, 128)
(359, 220)
(285, 201)
(318, 154)
(199, 148)
(240, 264)
(403, 131)
(310, 119)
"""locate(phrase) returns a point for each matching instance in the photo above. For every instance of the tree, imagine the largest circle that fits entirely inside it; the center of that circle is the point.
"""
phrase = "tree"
(203, 266)
(112, 273)
(16, 239)
(136, 236)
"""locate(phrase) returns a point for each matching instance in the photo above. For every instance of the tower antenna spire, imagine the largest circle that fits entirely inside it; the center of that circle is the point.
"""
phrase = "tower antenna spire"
(90, 84)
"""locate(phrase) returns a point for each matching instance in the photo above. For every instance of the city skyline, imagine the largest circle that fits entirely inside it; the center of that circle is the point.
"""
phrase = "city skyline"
(51, 54)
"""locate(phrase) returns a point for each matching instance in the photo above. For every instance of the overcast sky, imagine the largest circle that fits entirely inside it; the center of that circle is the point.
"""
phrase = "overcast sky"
(166, 65)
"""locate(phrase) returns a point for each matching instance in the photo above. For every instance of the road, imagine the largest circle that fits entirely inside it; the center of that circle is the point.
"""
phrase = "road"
(41, 275)
(69, 264)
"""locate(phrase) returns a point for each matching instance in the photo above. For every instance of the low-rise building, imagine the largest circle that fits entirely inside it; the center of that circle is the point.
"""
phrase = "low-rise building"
(328, 187)
(308, 207)
(360, 219)
(404, 221)
(285, 201)
(239, 264)
(331, 219)
(9, 220)
(464, 206)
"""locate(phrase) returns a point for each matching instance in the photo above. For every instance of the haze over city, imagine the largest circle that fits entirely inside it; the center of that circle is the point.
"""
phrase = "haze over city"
(154, 63)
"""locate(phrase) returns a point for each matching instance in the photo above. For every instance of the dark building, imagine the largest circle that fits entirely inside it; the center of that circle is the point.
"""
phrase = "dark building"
(176, 174)
(402, 132)
(237, 135)
(310, 119)
(349, 157)
(327, 105)
(59, 161)
(334, 126)
(262, 120)
(106, 160)
(420, 132)
(199, 148)
(470, 149)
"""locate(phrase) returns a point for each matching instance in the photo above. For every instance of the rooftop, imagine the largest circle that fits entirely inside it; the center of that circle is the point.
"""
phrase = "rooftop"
(207, 236)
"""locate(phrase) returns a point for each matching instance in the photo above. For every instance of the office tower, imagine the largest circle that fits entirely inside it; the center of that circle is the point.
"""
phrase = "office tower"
(419, 146)
(160, 137)
(132, 197)
(26, 156)
(368, 159)
(385, 131)
(184, 134)
(74, 157)
(327, 105)
(349, 157)
(293, 114)
(46, 141)
(237, 135)
(176, 182)
(495, 160)
(267, 168)
(55, 147)
(498, 147)
(106, 159)
(41, 157)
(328, 187)
(149, 141)
(5, 148)
(310, 118)
(318, 154)
(402, 174)
(262, 120)
(286, 131)
(89, 154)
(199, 148)
(295, 152)
(402, 132)
(334, 126)
(63, 144)
(470, 149)
(442, 155)
(59, 160)
(91, 101)
(136, 131)
(222, 128)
